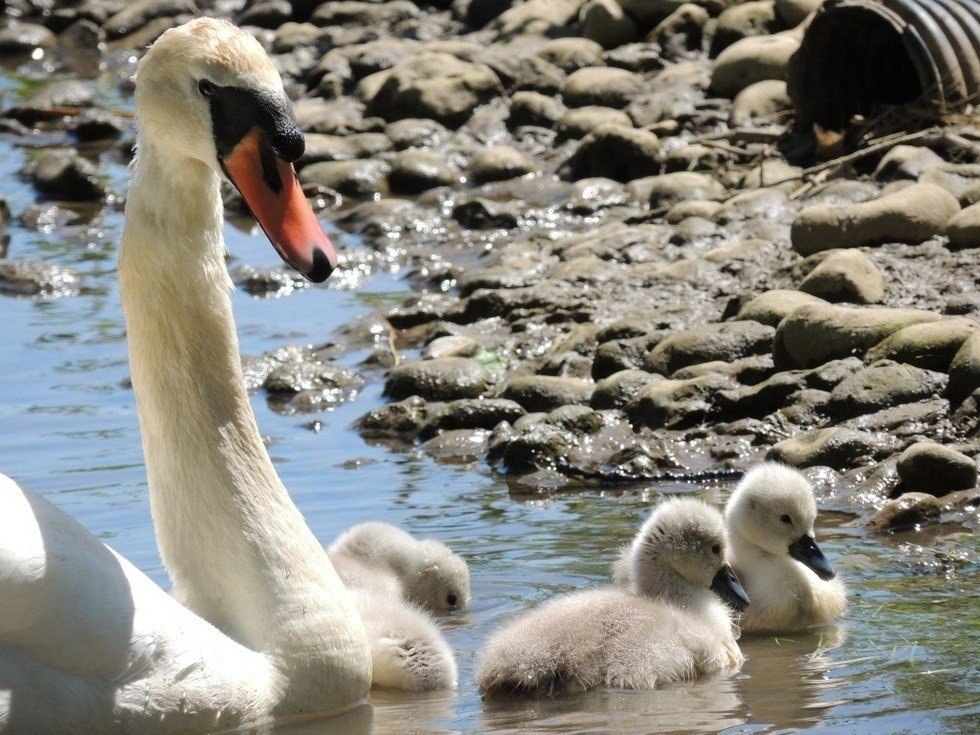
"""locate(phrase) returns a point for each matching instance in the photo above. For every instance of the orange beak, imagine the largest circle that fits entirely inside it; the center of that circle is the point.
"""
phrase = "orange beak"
(272, 192)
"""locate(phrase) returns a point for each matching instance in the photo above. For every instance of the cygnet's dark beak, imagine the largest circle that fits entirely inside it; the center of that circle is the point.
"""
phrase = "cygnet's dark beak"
(728, 588)
(805, 550)
(257, 139)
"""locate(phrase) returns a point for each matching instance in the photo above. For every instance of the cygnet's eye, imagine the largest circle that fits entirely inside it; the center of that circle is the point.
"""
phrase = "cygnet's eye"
(451, 598)
(716, 549)
(206, 87)
(786, 519)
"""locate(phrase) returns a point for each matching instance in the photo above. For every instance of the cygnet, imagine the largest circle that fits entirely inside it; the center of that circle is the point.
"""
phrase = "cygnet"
(770, 519)
(381, 556)
(674, 627)
(408, 650)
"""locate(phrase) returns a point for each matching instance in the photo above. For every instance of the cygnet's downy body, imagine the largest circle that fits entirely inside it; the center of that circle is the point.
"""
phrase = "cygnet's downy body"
(382, 556)
(408, 651)
(770, 519)
(674, 628)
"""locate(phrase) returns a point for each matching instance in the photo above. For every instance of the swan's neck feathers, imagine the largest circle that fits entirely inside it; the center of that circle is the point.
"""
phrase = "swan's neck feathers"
(237, 549)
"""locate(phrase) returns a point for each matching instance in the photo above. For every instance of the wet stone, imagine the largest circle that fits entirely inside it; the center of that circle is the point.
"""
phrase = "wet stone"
(930, 346)
(614, 152)
(620, 388)
(401, 420)
(534, 108)
(624, 354)
(443, 379)
(547, 392)
(539, 446)
(472, 413)
(46, 280)
(571, 54)
(883, 385)
(23, 38)
(677, 403)
(458, 445)
(934, 469)
(834, 447)
(773, 306)
(601, 85)
(359, 178)
(268, 281)
(908, 511)
(681, 33)
(964, 370)
(451, 345)
(499, 163)
(414, 171)
(845, 275)
(416, 133)
(484, 214)
(581, 121)
(139, 14)
(591, 195)
(427, 308)
(65, 175)
(725, 341)
(576, 419)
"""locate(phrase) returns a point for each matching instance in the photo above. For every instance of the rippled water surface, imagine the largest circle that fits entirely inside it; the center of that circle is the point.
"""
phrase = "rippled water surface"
(904, 660)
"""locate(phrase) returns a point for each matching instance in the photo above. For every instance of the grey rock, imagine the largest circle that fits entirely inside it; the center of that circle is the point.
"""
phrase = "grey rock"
(580, 121)
(571, 54)
(604, 22)
(964, 370)
(620, 388)
(539, 446)
(138, 15)
(65, 175)
(416, 133)
(23, 38)
(364, 14)
(671, 404)
(963, 228)
(574, 418)
(534, 108)
(29, 278)
(668, 189)
(485, 214)
(443, 379)
(724, 341)
(401, 420)
(624, 354)
(356, 178)
(815, 333)
(472, 413)
(908, 511)
(681, 33)
(883, 385)
(846, 275)
(752, 60)
(601, 85)
(615, 152)
(773, 306)
(905, 162)
(930, 346)
(834, 447)
(547, 392)
(754, 18)
(499, 163)
(414, 171)
(934, 469)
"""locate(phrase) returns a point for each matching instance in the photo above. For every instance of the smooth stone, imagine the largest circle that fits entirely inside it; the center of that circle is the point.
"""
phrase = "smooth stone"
(964, 370)
(908, 511)
(883, 385)
(912, 214)
(681, 33)
(442, 379)
(815, 333)
(667, 403)
(905, 162)
(574, 418)
(845, 275)
(934, 469)
(537, 18)
(620, 388)
(547, 392)
(794, 12)
(604, 22)
(23, 38)
(571, 54)
(753, 18)
(434, 85)
(413, 132)
(752, 60)
(581, 121)
(760, 102)
(320, 147)
(700, 208)
(65, 175)
(364, 14)
(680, 186)
(626, 353)
(414, 171)
(472, 413)
(400, 420)
(956, 178)
(771, 307)
(137, 15)
(451, 345)
(963, 229)
(534, 108)
(930, 346)
(591, 195)
(499, 163)
(601, 85)
(724, 341)
(834, 447)
(614, 152)
(46, 280)
(648, 12)
(357, 178)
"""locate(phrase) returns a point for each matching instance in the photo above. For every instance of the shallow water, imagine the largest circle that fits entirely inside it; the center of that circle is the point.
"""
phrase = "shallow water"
(904, 659)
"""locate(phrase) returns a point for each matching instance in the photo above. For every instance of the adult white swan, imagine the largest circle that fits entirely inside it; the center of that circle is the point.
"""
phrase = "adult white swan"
(264, 627)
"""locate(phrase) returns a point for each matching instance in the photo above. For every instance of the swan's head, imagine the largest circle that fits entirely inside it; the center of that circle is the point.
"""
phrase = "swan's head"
(773, 508)
(207, 91)
(686, 537)
(436, 578)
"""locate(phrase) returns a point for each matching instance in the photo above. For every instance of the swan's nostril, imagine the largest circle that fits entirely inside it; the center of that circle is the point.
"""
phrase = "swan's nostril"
(451, 599)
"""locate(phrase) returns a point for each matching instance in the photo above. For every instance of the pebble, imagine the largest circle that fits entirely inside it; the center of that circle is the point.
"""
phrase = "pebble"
(908, 511)
(845, 275)
(440, 379)
(63, 174)
(935, 469)
(546, 392)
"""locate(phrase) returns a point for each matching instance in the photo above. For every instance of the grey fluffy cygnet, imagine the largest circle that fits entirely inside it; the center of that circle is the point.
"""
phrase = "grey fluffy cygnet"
(674, 627)
(770, 519)
(396, 580)
(380, 556)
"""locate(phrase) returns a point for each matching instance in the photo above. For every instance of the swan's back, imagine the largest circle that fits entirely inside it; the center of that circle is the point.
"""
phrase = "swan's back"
(87, 640)
(605, 637)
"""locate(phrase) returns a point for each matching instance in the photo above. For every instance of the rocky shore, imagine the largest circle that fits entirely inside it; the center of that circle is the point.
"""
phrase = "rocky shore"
(629, 264)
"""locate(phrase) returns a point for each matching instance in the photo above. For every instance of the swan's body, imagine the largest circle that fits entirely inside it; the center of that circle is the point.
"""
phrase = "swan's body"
(408, 651)
(790, 585)
(673, 628)
(87, 642)
(381, 556)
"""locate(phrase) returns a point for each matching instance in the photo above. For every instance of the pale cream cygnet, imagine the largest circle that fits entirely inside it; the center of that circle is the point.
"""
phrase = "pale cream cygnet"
(791, 584)
(673, 628)
(383, 557)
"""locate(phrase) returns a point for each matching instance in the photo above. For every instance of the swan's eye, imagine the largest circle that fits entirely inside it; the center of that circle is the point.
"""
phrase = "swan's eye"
(206, 87)
(716, 549)
(451, 599)
(786, 519)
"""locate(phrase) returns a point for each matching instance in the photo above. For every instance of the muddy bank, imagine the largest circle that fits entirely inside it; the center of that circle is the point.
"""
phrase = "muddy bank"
(629, 264)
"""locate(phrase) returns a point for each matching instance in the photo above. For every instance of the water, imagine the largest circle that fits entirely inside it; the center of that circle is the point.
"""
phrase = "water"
(903, 660)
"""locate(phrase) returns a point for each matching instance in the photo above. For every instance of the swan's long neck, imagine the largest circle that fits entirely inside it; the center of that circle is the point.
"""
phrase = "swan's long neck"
(237, 549)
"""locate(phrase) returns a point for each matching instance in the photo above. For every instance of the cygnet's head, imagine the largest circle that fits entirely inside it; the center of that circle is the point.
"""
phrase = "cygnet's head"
(773, 508)
(429, 572)
(684, 538)
(206, 91)
(436, 578)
